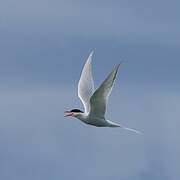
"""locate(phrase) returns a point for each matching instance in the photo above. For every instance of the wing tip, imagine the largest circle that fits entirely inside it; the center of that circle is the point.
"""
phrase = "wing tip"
(89, 59)
(121, 62)
(91, 54)
(118, 66)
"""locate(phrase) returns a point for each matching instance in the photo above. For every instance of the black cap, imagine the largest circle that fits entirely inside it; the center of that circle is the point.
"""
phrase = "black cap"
(76, 110)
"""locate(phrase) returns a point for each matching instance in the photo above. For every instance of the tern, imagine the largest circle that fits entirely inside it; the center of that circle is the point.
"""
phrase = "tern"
(95, 101)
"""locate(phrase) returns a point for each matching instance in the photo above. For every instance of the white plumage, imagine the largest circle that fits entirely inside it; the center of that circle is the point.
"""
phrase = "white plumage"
(95, 102)
(86, 84)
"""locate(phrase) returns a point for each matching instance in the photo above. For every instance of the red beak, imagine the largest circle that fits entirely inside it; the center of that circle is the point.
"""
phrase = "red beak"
(68, 113)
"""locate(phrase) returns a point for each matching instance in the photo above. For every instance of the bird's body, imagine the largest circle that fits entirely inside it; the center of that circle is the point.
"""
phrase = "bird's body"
(95, 121)
(95, 101)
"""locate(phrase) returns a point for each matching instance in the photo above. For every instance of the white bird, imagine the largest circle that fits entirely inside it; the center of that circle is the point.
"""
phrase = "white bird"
(95, 101)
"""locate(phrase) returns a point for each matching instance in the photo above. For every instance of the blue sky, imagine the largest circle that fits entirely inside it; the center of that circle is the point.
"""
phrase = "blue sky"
(44, 45)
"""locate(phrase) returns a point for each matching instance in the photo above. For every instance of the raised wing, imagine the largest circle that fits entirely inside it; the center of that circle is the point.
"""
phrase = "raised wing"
(100, 97)
(86, 84)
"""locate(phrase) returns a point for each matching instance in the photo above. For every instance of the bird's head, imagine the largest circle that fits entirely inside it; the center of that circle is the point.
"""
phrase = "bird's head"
(73, 113)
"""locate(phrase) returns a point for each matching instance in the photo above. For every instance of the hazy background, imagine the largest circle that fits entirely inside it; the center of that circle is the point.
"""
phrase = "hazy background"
(43, 46)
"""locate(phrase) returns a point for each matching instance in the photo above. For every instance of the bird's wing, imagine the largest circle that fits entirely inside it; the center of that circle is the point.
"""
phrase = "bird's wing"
(86, 84)
(100, 97)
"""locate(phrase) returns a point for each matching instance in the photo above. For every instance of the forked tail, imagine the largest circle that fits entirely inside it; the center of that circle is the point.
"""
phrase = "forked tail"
(112, 124)
(133, 130)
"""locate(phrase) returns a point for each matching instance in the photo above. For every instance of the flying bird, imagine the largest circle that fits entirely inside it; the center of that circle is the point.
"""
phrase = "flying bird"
(95, 101)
